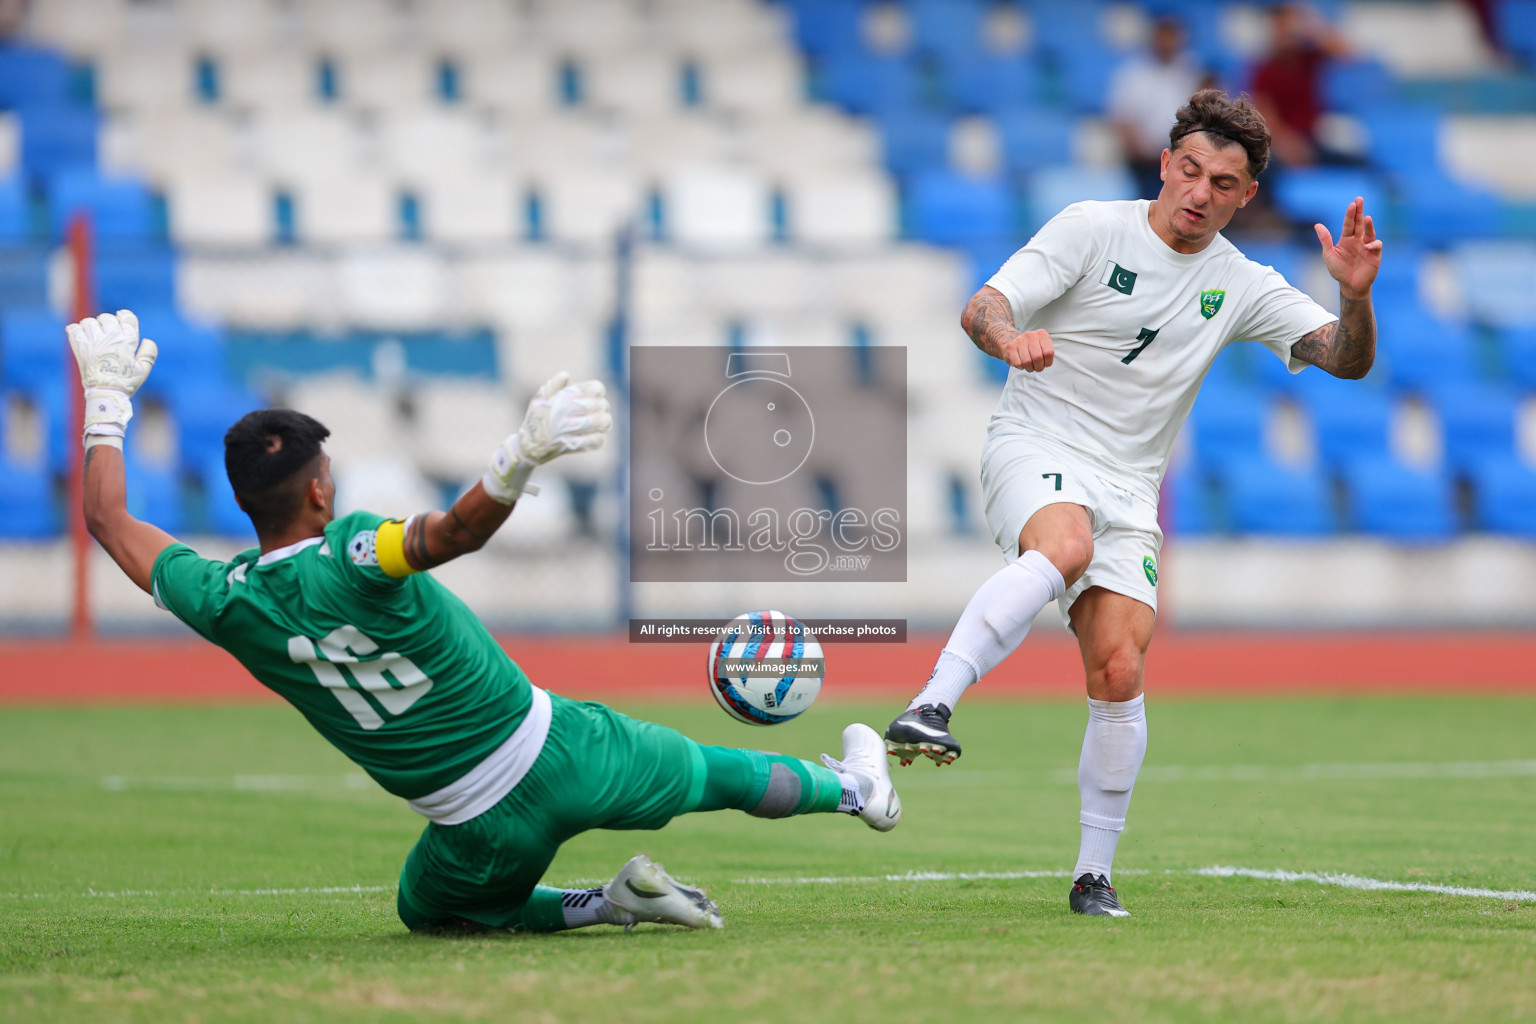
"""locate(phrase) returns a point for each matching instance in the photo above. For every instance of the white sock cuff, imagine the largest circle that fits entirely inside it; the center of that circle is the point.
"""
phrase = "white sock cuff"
(1101, 821)
(1132, 710)
(1035, 562)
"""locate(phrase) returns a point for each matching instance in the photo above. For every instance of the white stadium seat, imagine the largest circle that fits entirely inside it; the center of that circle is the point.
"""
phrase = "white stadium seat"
(270, 82)
(310, 146)
(519, 81)
(458, 423)
(644, 81)
(352, 26)
(534, 286)
(590, 207)
(469, 26)
(590, 28)
(710, 25)
(400, 288)
(220, 211)
(364, 420)
(10, 142)
(148, 79)
(759, 81)
(716, 207)
(848, 210)
(472, 208)
(229, 24)
(345, 209)
(656, 145)
(1418, 39)
(388, 81)
(443, 141)
(380, 481)
(792, 143)
(168, 146)
(276, 289)
(85, 27)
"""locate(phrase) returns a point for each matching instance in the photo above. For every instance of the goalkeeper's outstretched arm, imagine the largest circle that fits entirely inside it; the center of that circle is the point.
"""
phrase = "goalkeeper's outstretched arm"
(562, 418)
(113, 363)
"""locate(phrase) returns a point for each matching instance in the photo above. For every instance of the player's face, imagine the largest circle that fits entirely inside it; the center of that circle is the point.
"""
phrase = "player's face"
(1204, 184)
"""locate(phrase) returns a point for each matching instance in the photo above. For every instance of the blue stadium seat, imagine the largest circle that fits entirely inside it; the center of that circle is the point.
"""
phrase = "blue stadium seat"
(1504, 496)
(1035, 137)
(24, 275)
(1396, 501)
(192, 355)
(1188, 501)
(1497, 280)
(1350, 420)
(32, 348)
(1516, 23)
(827, 26)
(1066, 29)
(135, 276)
(154, 493)
(864, 84)
(1321, 194)
(990, 83)
(221, 513)
(1085, 78)
(31, 76)
(1356, 85)
(1519, 351)
(915, 141)
(1228, 425)
(15, 220)
(1285, 257)
(1263, 497)
(1397, 283)
(1438, 210)
(203, 415)
(1421, 351)
(947, 28)
(1477, 422)
(50, 400)
(953, 209)
(1403, 138)
(1054, 189)
(28, 507)
(120, 209)
(55, 137)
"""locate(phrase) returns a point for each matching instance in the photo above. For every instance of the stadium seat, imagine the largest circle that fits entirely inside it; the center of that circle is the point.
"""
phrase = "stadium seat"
(453, 418)
(1228, 426)
(1504, 495)
(24, 275)
(1391, 500)
(1065, 29)
(1438, 210)
(222, 515)
(120, 210)
(203, 414)
(827, 26)
(716, 207)
(358, 207)
(155, 494)
(392, 82)
(399, 288)
(1422, 351)
(1498, 280)
(1188, 502)
(32, 76)
(757, 81)
(1350, 419)
(1035, 137)
(133, 276)
(1053, 189)
(953, 209)
(32, 351)
(1085, 78)
(915, 141)
(1477, 422)
(28, 506)
(1403, 139)
(218, 210)
(1322, 194)
(56, 137)
(1516, 24)
(1357, 85)
(990, 83)
(15, 213)
(1519, 354)
(191, 354)
(865, 84)
(1263, 497)
(947, 28)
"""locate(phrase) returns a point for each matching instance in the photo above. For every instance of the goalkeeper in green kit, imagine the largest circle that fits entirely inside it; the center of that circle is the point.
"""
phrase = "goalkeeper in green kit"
(338, 616)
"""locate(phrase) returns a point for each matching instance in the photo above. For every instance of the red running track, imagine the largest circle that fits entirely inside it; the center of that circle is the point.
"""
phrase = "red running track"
(610, 668)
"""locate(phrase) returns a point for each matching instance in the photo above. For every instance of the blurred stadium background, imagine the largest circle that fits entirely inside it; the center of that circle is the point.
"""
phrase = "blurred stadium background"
(401, 216)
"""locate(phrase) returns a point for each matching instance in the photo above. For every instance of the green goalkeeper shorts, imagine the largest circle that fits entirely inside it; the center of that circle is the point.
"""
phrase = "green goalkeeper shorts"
(598, 769)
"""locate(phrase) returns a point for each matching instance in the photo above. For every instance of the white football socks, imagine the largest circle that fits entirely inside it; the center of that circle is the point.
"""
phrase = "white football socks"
(994, 623)
(1113, 749)
(582, 907)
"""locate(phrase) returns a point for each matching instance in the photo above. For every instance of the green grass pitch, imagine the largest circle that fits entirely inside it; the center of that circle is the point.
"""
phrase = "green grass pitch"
(166, 864)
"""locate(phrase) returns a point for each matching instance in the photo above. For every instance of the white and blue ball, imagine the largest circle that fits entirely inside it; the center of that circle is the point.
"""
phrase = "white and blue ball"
(767, 639)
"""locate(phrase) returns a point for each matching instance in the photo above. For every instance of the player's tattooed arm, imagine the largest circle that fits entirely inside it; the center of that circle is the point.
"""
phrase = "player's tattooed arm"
(437, 537)
(1347, 346)
(988, 319)
(134, 545)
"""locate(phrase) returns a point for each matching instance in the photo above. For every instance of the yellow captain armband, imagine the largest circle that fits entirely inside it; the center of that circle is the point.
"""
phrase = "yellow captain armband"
(389, 548)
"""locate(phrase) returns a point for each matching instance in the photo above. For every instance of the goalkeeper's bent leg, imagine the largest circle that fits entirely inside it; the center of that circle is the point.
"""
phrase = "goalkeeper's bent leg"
(766, 785)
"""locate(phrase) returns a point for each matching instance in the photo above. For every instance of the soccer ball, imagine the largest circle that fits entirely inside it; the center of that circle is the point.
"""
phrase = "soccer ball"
(765, 668)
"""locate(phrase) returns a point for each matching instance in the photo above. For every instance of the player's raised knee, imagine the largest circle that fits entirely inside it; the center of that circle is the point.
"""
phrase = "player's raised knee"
(1118, 676)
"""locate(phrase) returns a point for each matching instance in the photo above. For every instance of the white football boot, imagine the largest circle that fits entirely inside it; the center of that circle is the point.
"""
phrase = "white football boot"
(864, 759)
(644, 888)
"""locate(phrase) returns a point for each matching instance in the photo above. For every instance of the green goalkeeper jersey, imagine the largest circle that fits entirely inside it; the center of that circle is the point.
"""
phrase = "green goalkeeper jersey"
(397, 673)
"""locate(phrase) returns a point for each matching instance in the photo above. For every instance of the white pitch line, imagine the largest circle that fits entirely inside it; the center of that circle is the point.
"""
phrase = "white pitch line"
(1361, 771)
(236, 783)
(1340, 879)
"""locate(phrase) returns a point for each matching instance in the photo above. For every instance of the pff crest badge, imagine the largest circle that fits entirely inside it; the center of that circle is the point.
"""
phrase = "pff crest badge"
(1210, 301)
(1150, 568)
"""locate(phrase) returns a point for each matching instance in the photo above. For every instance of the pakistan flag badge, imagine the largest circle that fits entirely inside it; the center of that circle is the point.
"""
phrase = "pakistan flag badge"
(1210, 301)
(1147, 564)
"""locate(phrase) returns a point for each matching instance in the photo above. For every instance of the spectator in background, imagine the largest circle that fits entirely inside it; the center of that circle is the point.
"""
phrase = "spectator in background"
(1144, 93)
(1287, 85)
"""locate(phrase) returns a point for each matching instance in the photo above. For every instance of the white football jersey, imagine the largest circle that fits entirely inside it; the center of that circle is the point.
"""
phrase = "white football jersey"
(1135, 327)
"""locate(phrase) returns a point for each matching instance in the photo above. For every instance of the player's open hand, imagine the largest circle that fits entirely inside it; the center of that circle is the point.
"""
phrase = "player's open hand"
(564, 417)
(1356, 259)
(1028, 350)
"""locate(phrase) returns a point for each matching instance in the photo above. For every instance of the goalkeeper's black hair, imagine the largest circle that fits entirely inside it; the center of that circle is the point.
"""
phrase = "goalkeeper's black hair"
(269, 456)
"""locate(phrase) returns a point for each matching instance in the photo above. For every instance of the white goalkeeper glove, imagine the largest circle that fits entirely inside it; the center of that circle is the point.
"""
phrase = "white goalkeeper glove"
(561, 418)
(113, 363)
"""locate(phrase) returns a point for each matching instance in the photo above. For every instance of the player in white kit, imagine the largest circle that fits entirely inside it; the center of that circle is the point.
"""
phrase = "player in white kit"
(1110, 318)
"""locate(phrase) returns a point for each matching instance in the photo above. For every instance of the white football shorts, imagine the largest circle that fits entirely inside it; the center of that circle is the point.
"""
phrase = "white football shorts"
(1022, 473)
